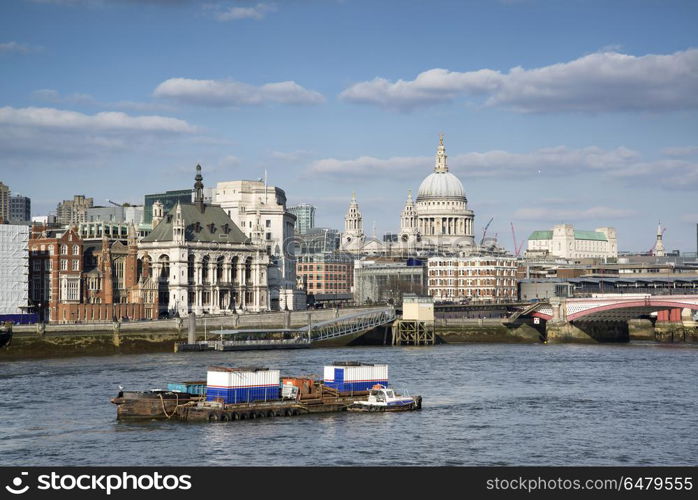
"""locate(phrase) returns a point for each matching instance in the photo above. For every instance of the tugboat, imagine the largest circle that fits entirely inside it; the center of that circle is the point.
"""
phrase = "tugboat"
(381, 398)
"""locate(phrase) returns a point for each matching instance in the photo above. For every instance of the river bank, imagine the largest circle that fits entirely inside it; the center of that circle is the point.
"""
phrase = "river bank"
(55, 341)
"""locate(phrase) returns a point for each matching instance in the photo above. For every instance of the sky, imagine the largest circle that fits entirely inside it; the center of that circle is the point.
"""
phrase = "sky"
(580, 112)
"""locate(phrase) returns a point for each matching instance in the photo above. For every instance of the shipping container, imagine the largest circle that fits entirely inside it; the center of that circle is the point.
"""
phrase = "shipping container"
(242, 385)
(198, 388)
(306, 387)
(354, 376)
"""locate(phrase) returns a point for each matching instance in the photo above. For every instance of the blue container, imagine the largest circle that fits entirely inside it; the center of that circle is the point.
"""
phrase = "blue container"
(364, 385)
(234, 395)
(197, 388)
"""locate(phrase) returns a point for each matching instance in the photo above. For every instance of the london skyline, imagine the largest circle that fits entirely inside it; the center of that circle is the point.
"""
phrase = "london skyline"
(579, 113)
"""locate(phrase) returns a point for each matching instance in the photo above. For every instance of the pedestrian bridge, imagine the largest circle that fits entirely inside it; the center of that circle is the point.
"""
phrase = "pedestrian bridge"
(613, 307)
(339, 330)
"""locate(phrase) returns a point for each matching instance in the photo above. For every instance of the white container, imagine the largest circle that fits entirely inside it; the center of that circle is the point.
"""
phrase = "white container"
(361, 373)
(235, 378)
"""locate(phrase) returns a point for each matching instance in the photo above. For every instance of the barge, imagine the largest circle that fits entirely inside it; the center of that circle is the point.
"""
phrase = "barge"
(231, 394)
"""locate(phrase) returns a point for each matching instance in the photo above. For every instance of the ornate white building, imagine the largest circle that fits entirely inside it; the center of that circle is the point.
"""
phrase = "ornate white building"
(253, 205)
(566, 242)
(439, 221)
(203, 262)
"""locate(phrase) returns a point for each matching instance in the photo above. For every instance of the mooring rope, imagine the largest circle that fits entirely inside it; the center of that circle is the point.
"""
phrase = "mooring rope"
(162, 401)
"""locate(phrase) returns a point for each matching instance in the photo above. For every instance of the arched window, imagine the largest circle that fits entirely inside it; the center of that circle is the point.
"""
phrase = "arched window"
(219, 269)
(234, 269)
(191, 269)
(164, 261)
(248, 270)
(204, 268)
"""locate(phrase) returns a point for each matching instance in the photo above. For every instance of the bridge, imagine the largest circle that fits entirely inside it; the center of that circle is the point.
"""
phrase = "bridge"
(605, 318)
(336, 331)
(614, 307)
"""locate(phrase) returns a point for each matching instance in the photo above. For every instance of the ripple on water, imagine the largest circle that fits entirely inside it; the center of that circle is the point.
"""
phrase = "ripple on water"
(483, 405)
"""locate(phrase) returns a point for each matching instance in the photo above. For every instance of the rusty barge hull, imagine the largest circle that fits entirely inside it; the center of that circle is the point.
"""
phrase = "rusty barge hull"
(195, 410)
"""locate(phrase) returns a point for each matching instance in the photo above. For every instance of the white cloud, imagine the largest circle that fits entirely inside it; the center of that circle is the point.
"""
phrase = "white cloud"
(81, 99)
(620, 164)
(291, 156)
(681, 151)
(16, 48)
(257, 12)
(599, 82)
(233, 93)
(557, 215)
(368, 166)
(51, 118)
(546, 161)
(46, 136)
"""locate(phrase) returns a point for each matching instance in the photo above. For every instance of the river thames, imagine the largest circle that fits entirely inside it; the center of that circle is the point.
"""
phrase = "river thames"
(484, 404)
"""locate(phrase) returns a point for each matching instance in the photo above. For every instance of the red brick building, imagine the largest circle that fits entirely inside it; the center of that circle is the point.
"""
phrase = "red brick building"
(72, 280)
(323, 273)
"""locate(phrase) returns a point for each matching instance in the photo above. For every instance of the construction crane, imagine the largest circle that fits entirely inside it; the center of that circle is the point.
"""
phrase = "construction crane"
(114, 203)
(484, 231)
(517, 247)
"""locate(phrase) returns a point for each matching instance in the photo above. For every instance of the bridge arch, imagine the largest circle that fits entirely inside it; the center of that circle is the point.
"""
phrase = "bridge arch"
(636, 307)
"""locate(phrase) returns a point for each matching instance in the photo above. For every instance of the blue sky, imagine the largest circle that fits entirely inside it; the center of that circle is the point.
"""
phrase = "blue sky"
(578, 111)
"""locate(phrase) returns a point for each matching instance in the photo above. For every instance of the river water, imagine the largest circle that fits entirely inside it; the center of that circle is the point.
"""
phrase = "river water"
(484, 404)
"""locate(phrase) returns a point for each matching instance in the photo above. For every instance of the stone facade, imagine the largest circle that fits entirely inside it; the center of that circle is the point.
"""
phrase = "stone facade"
(566, 242)
(73, 211)
(203, 262)
(252, 205)
(472, 279)
(438, 222)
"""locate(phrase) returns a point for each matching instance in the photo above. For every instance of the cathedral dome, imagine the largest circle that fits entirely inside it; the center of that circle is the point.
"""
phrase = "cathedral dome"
(440, 185)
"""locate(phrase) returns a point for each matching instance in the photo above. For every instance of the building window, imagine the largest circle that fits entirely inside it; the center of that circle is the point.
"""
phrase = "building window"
(76, 250)
(268, 236)
(70, 289)
(64, 249)
(64, 265)
(76, 265)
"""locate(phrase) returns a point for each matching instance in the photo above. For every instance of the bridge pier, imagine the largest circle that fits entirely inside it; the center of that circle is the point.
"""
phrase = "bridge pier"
(587, 332)
(641, 329)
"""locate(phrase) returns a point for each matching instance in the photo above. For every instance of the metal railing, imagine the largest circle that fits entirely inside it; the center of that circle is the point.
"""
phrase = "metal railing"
(346, 325)
(332, 328)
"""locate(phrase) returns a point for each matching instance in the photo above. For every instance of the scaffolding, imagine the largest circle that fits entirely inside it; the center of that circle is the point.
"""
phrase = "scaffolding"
(411, 332)
(14, 269)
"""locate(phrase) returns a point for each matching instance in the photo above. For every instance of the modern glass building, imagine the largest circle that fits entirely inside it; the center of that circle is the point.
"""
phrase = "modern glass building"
(305, 217)
(169, 199)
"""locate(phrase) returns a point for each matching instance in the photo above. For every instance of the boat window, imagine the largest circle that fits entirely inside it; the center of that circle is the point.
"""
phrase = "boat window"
(389, 394)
